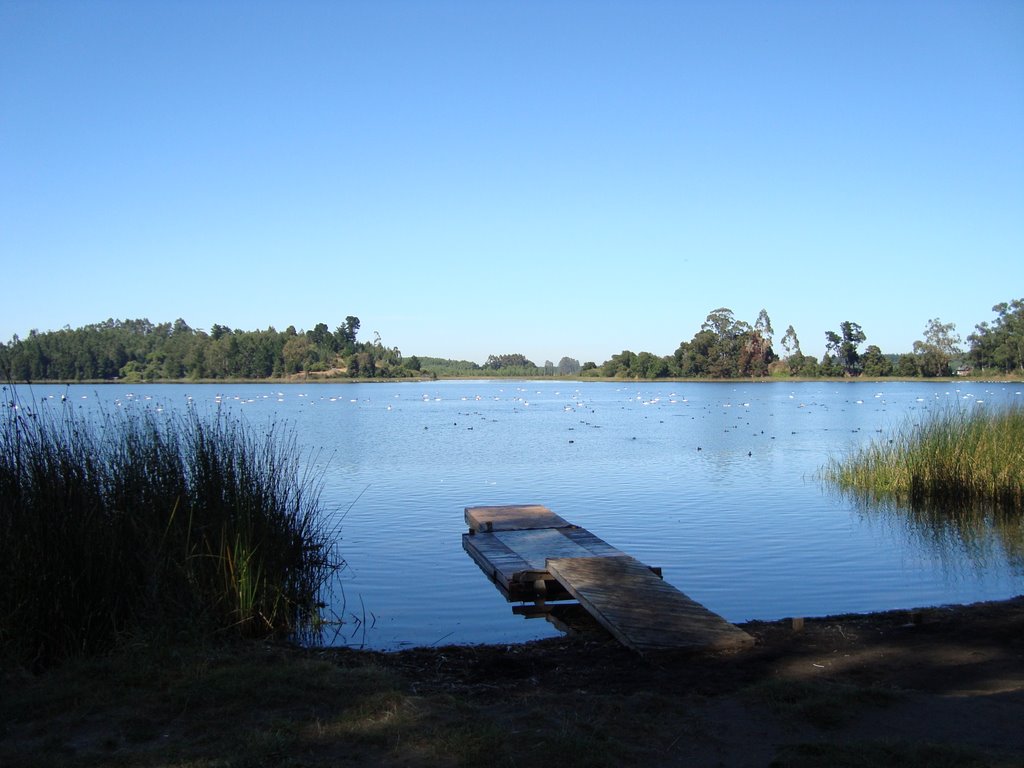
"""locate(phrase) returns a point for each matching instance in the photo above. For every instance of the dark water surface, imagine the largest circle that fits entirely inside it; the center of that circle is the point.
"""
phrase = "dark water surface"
(715, 483)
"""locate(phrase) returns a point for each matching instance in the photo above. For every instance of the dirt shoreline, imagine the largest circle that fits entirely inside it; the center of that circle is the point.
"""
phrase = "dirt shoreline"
(948, 676)
(939, 686)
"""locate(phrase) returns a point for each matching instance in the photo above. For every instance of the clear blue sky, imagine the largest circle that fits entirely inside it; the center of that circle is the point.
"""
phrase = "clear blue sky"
(546, 178)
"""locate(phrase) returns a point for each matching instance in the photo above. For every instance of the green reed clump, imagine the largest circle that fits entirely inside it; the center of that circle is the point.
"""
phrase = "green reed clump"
(955, 459)
(165, 522)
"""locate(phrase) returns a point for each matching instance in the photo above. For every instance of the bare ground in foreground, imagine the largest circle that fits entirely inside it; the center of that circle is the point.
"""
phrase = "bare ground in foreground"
(935, 687)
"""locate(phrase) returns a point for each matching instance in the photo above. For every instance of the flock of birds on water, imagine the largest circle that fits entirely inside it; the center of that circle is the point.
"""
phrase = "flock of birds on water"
(520, 399)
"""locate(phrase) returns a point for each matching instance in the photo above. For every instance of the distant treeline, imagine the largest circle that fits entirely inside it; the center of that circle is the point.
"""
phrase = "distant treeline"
(723, 348)
(506, 366)
(138, 350)
(727, 348)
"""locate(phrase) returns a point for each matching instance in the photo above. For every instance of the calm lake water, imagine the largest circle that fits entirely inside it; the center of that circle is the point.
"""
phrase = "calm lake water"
(716, 483)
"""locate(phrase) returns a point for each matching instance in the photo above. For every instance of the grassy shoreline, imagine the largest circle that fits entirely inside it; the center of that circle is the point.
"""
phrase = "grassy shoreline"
(297, 379)
(955, 459)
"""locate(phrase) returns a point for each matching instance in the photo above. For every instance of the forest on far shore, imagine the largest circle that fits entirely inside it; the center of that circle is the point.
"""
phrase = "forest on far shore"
(724, 348)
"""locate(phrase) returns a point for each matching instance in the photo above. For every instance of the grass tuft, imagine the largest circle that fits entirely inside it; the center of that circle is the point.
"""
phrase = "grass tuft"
(162, 523)
(955, 460)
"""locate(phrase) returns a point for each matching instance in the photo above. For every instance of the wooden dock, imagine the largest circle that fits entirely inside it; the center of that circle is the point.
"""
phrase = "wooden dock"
(530, 553)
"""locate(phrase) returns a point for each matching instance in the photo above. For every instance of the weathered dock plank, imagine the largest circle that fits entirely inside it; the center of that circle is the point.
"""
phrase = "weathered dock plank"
(642, 611)
(512, 517)
(516, 560)
(537, 545)
(529, 552)
(495, 559)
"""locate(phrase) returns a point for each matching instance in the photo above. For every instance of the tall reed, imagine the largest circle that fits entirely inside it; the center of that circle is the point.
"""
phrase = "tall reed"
(954, 459)
(168, 522)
